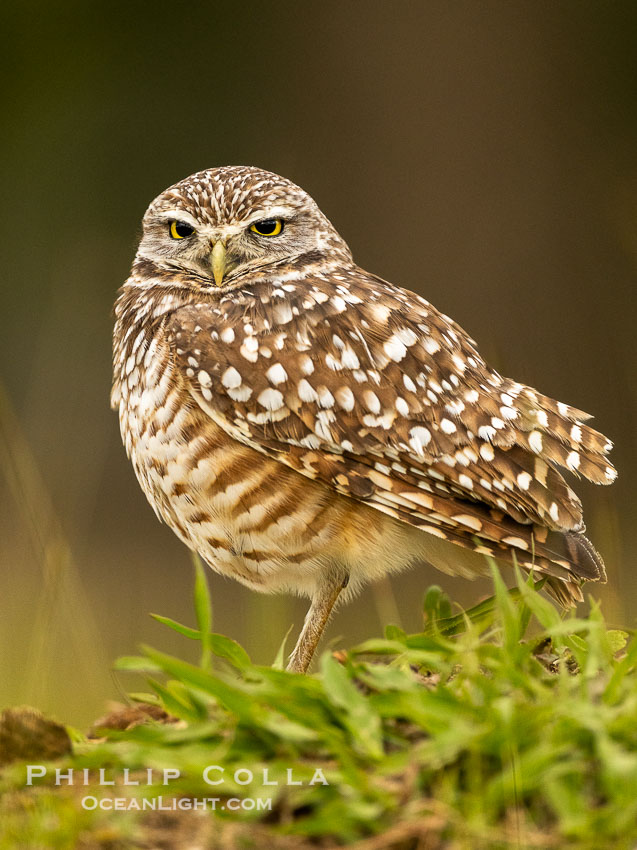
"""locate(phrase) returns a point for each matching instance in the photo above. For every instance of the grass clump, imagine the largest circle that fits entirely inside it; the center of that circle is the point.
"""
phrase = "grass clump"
(511, 725)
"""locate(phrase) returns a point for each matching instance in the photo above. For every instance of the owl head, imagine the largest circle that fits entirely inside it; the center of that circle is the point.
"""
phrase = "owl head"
(220, 224)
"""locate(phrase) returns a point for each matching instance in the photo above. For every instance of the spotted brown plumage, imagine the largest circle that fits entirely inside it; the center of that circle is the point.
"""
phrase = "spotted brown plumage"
(303, 424)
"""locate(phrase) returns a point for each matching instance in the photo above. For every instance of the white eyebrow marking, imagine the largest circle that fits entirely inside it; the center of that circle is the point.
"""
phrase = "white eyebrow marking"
(179, 215)
(270, 212)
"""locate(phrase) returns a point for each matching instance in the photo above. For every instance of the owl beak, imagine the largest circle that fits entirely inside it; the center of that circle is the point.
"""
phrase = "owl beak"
(219, 262)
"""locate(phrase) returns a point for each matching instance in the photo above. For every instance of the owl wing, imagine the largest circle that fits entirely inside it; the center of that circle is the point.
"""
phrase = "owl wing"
(369, 389)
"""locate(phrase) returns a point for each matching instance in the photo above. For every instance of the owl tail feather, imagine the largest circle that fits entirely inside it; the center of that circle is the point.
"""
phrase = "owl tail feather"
(566, 559)
(585, 563)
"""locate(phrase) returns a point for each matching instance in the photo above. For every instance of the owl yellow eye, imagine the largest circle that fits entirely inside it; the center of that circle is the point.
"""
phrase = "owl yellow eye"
(268, 227)
(179, 230)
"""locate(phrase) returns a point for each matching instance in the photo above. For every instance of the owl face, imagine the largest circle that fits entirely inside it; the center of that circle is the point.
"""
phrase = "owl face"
(220, 224)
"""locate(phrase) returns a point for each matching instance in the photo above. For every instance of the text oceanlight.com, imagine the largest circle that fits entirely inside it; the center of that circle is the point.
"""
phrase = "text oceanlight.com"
(172, 804)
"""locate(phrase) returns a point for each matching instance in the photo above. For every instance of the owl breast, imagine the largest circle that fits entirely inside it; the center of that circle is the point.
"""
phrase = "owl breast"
(248, 516)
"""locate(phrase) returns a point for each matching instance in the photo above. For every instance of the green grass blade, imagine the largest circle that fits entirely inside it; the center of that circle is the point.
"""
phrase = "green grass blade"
(136, 664)
(203, 610)
(186, 631)
(279, 661)
(360, 718)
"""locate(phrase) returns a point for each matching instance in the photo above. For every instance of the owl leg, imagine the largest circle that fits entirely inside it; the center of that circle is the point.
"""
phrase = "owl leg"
(316, 619)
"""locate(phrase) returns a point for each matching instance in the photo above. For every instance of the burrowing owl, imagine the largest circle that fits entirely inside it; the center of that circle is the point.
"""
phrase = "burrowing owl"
(306, 426)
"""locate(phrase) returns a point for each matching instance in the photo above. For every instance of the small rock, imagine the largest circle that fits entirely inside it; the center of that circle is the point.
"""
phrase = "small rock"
(126, 716)
(27, 735)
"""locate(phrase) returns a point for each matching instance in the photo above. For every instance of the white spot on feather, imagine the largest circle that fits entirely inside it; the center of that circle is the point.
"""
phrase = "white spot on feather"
(462, 458)
(508, 412)
(371, 401)
(524, 480)
(486, 432)
(468, 520)
(249, 353)
(338, 303)
(455, 407)
(345, 398)
(394, 348)
(305, 362)
(270, 399)
(325, 397)
(401, 406)
(276, 374)
(381, 312)
(349, 358)
(250, 343)
(486, 452)
(419, 438)
(282, 312)
(407, 336)
(240, 393)
(409, 384)
(321, 424)
(307, 393)
(518, 542)
(311, 441)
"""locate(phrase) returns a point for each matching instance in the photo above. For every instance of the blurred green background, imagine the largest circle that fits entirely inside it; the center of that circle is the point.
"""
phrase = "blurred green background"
(483, 154)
